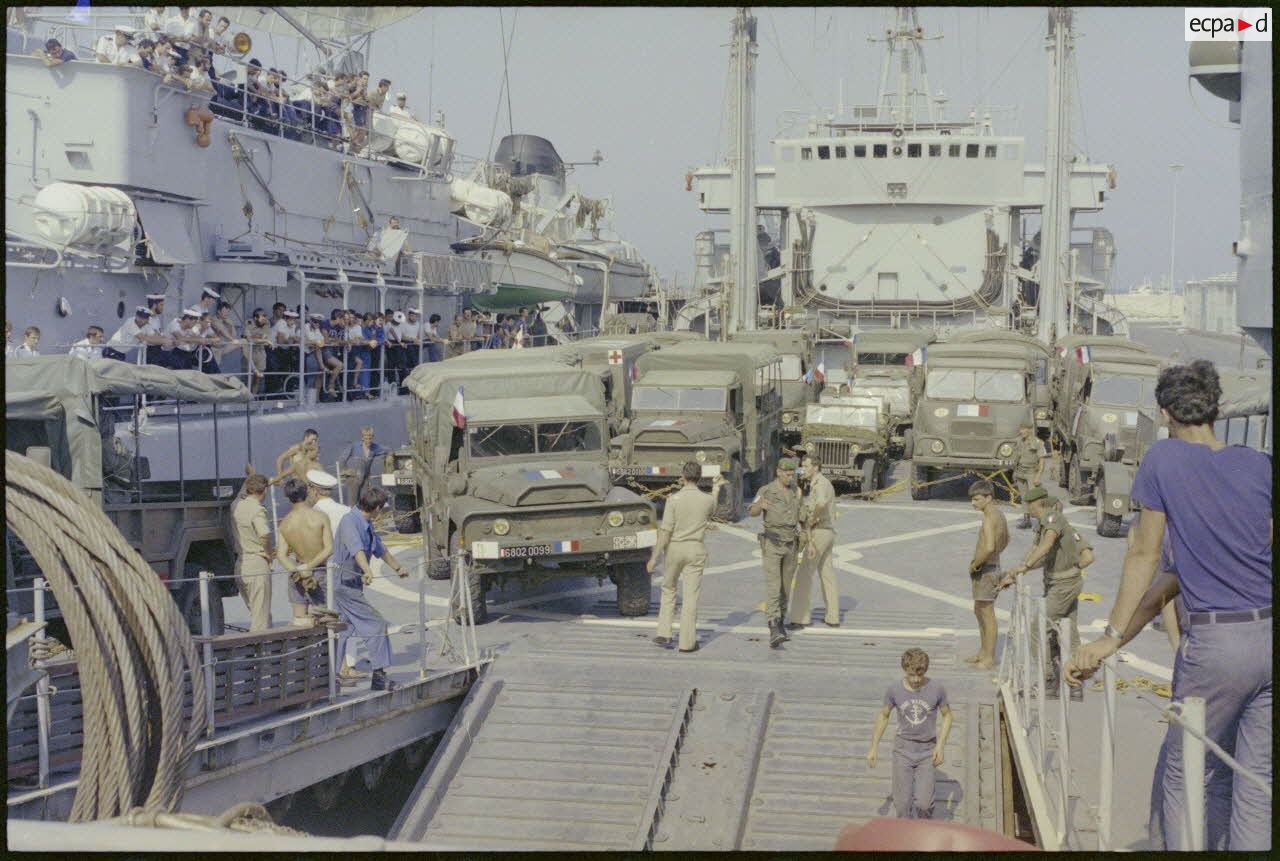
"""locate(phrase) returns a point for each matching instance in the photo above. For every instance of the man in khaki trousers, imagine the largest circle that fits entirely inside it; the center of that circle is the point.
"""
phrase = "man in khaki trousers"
(816, 542)
(680, 534)
(253, 568)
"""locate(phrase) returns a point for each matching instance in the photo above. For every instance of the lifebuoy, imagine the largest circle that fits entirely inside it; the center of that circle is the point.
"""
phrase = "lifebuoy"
(897, 133)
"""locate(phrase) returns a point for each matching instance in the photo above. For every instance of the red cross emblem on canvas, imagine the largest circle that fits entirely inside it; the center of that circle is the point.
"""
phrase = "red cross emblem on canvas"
(615, 357)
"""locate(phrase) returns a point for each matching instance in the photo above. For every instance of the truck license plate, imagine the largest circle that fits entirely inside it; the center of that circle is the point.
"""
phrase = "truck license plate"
(525, 552)
(624, 542)
(639, 470)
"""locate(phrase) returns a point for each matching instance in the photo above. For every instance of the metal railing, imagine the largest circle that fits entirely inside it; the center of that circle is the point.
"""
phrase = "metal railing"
(1022, 688)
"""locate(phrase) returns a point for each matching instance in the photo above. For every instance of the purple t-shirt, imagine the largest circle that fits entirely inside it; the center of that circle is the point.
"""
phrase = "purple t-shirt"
(1218, 507)
(917, 710)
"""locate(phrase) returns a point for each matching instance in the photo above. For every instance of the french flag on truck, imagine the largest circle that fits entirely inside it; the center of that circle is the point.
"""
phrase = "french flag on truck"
(917, 358)
(566, 546)
(459, 410)
(1083, 355)
(973, 411)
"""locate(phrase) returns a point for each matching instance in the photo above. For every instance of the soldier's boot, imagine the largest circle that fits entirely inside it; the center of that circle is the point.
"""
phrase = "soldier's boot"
(776, 635)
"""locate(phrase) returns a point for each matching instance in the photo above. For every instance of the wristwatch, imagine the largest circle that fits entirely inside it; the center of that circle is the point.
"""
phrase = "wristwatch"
(1110, 631)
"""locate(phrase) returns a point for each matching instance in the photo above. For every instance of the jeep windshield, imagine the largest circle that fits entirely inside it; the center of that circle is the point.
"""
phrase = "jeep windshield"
(1124, 391)
(556, 437)
(834, 414)
(965, 384)
(677, 398)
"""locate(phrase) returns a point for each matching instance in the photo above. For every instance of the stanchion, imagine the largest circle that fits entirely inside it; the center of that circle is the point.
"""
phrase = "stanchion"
(1042, 659)
(275, 516)
(337, 473)
(1026, 655)
(1064, 747)
(1192, 719)
(207, 648)
(1107, 752)
(42, 689)
(422, 617)
(332, 636)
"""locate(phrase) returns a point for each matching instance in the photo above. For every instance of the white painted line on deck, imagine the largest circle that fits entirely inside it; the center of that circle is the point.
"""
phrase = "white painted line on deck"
(1146, 666)
(736, 530)
(819, 630)
(392, 589)
(925, 591)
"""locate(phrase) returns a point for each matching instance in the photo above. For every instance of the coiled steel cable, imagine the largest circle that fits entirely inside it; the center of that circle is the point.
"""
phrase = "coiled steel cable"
(134, 649)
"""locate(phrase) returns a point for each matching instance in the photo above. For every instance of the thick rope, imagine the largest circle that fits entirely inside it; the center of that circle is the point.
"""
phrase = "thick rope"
(131, 641)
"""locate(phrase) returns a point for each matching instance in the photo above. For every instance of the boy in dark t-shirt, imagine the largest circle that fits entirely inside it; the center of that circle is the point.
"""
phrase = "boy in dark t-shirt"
(918, 746)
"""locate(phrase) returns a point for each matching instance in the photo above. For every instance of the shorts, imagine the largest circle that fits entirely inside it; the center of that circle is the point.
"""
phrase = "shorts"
(986, 583)
(316, 597)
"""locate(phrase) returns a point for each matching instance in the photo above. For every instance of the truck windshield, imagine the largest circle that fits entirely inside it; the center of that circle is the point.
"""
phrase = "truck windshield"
(961, 384)
(1124, 391)
(835, 414)
(898, 397)
(677, 398)
(792, 368)
(556, 437)
(882, 359)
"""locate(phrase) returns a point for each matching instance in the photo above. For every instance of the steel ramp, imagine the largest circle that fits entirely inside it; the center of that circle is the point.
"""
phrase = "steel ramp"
(528, 766)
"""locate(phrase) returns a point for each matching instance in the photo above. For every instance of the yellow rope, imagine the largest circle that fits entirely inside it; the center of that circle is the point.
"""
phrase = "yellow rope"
(1139, 683)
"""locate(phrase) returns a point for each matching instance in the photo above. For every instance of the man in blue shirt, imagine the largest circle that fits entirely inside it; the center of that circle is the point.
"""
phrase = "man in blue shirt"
(357, 461)
(1215, 502)
(354, 548)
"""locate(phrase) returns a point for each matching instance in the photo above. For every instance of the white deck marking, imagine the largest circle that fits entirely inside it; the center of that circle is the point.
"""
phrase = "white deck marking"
(392, 589)
(926, 591)
(818, 630)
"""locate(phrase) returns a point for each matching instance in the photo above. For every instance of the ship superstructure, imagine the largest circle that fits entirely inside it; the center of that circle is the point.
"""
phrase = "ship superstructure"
(892, 212)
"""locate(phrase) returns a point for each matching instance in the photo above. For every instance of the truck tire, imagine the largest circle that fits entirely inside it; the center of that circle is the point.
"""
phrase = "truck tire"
(480, 612)
(1109, 525)
(634, 587)
(919, 475)
(1076, 492)
(868, 483)
(729, 505)
(187, 597)
(439, 568)
(408, 524)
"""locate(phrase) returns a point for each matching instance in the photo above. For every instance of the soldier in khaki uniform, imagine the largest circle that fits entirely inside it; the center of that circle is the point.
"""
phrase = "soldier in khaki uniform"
(1064, 553)
(253, 539)
(818, 538)
(684, 520)
(1028, 467)
(779, 502)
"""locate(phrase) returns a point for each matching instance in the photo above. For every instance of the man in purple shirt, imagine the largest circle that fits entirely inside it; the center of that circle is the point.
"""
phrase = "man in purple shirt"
(1215, 502)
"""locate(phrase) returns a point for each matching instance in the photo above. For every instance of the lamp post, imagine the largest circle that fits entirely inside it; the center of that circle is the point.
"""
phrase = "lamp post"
(1173, 230)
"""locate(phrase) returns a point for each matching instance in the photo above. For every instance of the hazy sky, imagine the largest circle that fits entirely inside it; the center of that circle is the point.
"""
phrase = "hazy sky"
(646, 86)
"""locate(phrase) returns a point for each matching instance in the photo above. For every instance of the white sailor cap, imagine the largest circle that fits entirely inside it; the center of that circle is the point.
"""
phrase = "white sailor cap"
(402, 95)
(291, 314)
(212, 294)
(315, 316)
(155, 297)
(398, 317)
(320, 478)
(142, 311)
(192, 312)
(413, 311)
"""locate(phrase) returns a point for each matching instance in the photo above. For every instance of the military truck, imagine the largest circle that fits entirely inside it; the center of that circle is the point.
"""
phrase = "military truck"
(85, 416)
(400, 480)
(881, 366)
(975, 397)
(712, 402)
(1106, 420)
(850, 435)
(1041, 358)
(511, 461)
(798, 384)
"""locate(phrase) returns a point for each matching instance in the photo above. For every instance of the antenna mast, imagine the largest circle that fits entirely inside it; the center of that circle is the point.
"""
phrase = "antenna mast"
(1055, 228)
(743, 245)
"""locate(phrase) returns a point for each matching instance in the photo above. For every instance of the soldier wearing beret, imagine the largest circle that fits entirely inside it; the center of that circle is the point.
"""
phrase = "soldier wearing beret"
(779, 502)
(1064, 553)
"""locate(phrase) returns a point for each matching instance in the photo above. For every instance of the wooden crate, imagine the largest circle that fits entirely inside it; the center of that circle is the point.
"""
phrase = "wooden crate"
(254, 674)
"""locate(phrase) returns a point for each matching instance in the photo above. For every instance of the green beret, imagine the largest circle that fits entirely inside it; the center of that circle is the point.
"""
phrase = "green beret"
(1035, 493)
(788, 463)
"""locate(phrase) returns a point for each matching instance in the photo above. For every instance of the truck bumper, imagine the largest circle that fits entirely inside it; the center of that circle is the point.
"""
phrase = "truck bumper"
(965, 463)
(512, 555)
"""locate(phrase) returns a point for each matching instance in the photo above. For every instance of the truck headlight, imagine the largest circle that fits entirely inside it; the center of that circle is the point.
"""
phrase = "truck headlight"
(1006, 450)
(788, 418)
(855, 448)
(1041, 415)
(700, 456)
(614, 519)
(936, 446)
(1116, 503)
(501, 526)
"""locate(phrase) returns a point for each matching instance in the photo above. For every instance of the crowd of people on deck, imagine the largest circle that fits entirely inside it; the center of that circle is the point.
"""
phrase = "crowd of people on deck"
(181, 47)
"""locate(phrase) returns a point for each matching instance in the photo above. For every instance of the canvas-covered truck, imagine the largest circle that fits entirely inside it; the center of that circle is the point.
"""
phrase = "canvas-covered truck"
(1041, 358)
(799, 382)
(850, 435)
(84, 417)
(1106, 421)
(886, 364)
(511, 461)
(967, 418)
(711, 402)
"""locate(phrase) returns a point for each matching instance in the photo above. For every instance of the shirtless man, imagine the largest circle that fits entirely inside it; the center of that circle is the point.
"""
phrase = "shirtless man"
(302, 457)
(306, 542)
(984, 571)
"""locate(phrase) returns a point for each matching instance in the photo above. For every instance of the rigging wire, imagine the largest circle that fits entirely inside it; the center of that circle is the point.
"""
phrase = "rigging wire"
(511, 125)
(1026, 41)
(497, 109)
(777, 44)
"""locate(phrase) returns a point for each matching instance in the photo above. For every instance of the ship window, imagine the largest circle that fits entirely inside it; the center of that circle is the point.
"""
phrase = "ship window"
(824, 152)
(1011, 152)
(806, 153)
(971, 151)
(842, 152)
(859, 151)
(953, 150)
(935, 150)
(788, 153)
(990, 151)
(880, 150)
(913, 150)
